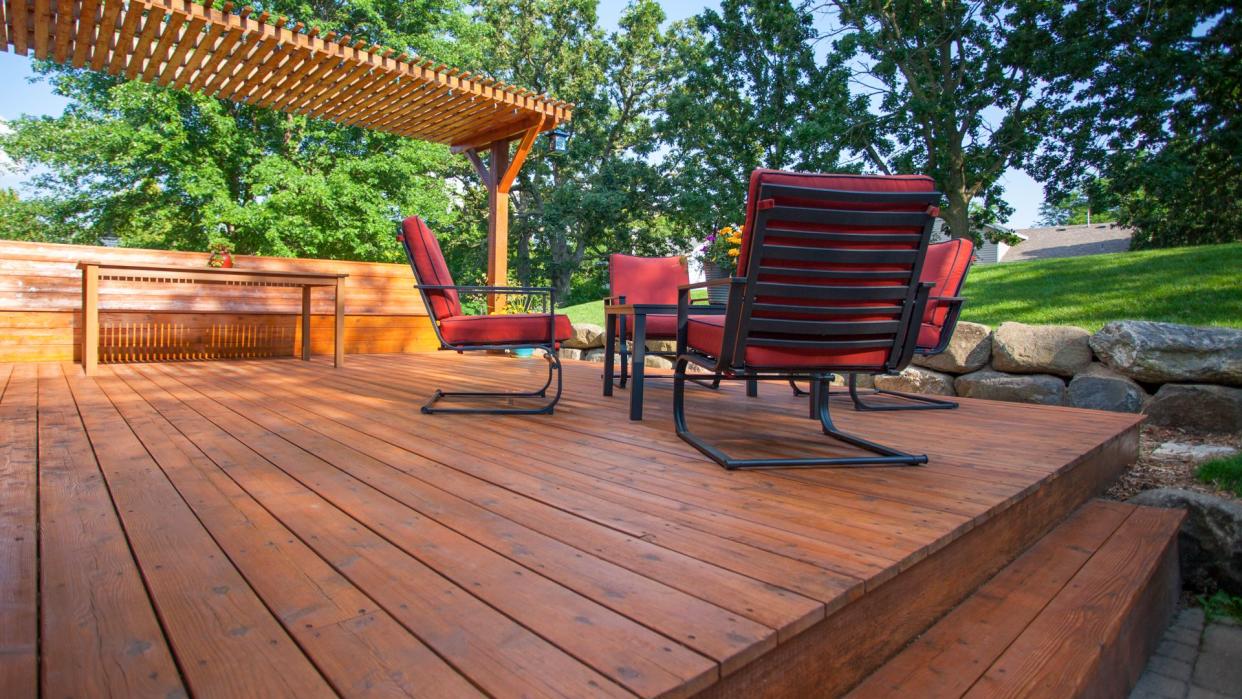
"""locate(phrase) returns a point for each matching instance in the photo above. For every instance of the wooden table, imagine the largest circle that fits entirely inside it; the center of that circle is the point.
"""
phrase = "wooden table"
(94, 272)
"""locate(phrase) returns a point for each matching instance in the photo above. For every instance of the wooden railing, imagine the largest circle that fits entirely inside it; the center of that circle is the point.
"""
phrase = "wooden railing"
(41, 299)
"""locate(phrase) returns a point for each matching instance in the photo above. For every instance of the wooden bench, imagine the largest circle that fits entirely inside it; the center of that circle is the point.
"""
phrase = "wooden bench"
(94, 272)
(1076, 615)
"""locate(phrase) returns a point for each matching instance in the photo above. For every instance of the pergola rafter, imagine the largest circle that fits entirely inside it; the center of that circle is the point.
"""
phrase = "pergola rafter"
(273, 63)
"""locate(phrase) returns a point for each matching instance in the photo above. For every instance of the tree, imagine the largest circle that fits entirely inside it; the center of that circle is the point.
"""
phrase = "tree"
(603, 194)
(749, 92)
(957, 92)
(27, 219)
(166, 168)
(1093, 202)
(1155, 89)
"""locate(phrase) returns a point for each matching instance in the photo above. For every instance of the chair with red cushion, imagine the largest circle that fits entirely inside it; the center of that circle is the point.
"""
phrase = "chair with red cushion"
(946, 266)
(829, 281)
(645, 280)
(462, 333)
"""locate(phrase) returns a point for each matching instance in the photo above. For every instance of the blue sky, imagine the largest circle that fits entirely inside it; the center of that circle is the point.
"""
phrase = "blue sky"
(18, 96)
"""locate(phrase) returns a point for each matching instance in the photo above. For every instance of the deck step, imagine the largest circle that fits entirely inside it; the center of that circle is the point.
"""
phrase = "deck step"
(1076, 615)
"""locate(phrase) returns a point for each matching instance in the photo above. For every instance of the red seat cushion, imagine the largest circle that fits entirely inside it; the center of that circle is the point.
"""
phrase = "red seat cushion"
(659, 326)
(705, 334)
(430, 268)
(503, 329)
(646, 279)
(945, 266)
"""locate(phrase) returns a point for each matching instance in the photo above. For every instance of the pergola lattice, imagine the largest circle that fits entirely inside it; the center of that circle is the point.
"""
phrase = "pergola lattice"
(272, 62)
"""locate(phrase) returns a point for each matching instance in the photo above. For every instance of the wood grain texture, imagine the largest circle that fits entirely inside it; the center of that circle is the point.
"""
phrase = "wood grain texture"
(572, 555)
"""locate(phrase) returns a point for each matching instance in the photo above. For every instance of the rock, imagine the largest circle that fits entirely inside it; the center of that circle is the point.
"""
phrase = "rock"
(651, 360)
(1197, 408)
(1211, 538)
(863, 381)
(594, 355)
(586, 336)
(917, 380)
(1192, 452)
(1168, 352)
(969, 350)
(1100, 388)
(1017, 388)
(570, 353)
(669, 346)
(1040, 349)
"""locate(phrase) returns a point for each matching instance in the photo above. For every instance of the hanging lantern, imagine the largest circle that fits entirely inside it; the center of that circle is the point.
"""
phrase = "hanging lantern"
(558, 140)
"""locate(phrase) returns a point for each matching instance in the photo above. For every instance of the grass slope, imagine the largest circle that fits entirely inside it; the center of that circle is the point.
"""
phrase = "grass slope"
(1195, 285)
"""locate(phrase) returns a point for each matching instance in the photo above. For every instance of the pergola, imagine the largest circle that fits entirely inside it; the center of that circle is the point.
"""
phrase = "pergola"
(273, 62)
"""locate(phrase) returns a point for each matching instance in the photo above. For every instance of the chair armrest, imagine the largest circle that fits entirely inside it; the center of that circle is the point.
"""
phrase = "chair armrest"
(723, 281)
(947, 299)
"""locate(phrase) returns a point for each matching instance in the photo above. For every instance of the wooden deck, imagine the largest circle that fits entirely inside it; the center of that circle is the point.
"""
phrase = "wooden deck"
(280, 528)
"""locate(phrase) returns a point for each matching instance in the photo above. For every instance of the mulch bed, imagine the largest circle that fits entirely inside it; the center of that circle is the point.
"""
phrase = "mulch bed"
(1150, 473)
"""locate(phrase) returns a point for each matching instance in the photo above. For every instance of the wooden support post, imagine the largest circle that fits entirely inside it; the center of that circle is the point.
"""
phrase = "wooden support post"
(306, 323)
(338, 333)
(90, 319)
(497, 225)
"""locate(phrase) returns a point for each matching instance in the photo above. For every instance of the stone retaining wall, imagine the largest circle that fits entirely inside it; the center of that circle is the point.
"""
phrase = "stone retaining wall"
(1180, 376)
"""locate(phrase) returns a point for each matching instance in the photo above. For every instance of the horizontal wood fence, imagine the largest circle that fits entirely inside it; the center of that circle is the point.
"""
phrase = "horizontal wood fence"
(41, 301)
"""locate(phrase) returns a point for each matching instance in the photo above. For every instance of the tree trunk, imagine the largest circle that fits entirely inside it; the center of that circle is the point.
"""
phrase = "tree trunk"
(957, 214)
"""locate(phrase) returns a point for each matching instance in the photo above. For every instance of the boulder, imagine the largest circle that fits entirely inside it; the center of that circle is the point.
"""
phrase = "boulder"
(969, 350)
(1178, 451)
(594, 355)
(1017, 388)
(1197, 408)
(1040, 349)
(586, 336)
(1168, 352)
(669, 346)
(863, 381)
(1210, 543)
(1100, 388)
(655, 362)
(917, 380)
(570, 353)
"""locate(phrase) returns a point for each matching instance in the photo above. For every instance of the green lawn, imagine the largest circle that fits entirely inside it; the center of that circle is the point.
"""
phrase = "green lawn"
(1225, 474)
(1196, 286)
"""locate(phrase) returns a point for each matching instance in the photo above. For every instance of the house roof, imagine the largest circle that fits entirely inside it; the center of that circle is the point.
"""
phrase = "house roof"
(271, 62)
(1070, 241)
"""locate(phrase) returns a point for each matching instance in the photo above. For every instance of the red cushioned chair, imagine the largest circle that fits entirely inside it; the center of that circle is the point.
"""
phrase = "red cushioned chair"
(828, 282)
(946, 266)
(462, 333)
(645, 280)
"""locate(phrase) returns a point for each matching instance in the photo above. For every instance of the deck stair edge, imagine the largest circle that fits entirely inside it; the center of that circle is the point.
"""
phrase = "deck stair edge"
(1076, 615)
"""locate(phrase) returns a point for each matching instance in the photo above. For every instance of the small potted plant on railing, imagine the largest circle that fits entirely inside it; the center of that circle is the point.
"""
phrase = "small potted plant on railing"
(718, 255)
(221, 254)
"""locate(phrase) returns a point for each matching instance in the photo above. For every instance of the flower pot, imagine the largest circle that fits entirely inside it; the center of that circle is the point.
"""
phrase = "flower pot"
(717, 295)
(220, 260)
(524, 352)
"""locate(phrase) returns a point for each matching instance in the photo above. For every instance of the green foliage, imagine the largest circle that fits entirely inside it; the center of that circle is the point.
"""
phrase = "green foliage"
(1195, 286)
(1221, 605)
(955, 90)
(1225, 474)
(749, 92)
(28, 219)
(1155, 91)
(1094, 201)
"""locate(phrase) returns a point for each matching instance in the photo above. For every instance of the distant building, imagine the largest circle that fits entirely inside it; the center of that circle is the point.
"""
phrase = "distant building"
(990, 252)
(1057, 241)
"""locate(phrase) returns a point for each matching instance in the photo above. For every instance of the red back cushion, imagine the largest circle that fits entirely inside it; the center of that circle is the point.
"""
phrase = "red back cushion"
(647, 279)
(423, 251)
(945, 266)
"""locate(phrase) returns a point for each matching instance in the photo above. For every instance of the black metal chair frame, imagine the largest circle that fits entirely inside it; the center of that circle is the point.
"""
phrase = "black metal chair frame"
(743, 300)
(916, 401)
(549, 349)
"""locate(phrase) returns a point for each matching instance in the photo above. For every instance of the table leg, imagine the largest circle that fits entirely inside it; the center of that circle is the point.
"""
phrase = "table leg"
(306, 323)
(90, 319)
(752, 388)
(623, 335)
(338, 334)
(610, 350)
(638, 357)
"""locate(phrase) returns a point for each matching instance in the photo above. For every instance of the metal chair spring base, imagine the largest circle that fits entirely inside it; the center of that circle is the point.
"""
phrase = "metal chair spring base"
(919, 402)
(554, 371)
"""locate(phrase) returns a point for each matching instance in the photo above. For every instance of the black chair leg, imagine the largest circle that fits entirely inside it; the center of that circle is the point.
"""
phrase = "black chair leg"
(917, 402)
(554, 372)
(882, 455)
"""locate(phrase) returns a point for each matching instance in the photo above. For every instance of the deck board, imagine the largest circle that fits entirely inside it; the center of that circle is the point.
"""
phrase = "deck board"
(392, 553)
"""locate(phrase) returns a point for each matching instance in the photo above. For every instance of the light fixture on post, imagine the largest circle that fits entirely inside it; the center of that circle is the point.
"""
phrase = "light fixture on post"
(558, 140)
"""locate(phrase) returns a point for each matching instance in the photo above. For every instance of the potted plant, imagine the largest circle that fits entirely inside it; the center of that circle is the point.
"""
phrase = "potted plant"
(718, 255)
(221, 254)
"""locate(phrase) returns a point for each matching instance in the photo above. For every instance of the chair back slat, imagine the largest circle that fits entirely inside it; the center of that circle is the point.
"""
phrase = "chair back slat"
(832, 265)
(422, 250)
